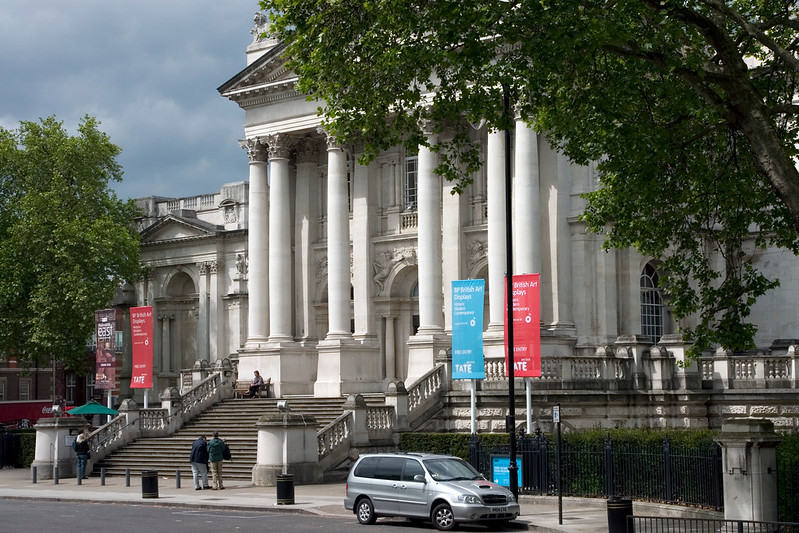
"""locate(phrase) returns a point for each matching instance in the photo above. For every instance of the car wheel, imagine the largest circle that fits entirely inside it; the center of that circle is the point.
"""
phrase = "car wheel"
(443, 518)
(365, 511)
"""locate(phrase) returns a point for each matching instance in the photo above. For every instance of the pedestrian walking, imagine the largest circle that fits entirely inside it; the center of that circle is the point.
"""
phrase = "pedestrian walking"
(199, 463)
(216, 453)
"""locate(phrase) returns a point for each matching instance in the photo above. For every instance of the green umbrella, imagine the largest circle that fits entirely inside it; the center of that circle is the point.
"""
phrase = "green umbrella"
(92, 408)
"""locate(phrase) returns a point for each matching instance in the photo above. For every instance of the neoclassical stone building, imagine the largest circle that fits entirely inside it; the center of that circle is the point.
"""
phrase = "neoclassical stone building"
(332, 278)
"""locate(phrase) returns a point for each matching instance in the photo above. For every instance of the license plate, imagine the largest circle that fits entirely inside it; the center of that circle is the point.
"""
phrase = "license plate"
(498, 509)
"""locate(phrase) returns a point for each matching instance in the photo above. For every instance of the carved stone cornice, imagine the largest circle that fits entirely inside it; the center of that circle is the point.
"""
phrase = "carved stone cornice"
(279, 145)
(256, 150)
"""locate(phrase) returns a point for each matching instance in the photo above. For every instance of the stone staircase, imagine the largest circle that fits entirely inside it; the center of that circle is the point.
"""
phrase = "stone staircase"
(235, 420)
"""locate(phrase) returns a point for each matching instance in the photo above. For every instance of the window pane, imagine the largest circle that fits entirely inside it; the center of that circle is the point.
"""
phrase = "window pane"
(652, 308)
(410, 185)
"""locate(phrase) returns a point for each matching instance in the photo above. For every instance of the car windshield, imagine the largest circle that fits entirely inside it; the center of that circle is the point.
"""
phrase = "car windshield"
(451, 469)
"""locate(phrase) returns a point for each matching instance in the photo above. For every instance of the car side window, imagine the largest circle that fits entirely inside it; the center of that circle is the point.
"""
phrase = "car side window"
(366, 468)
(412, 468)
(390, 468)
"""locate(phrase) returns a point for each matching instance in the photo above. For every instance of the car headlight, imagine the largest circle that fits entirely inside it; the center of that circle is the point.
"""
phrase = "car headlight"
(511, 499)
(468, 498)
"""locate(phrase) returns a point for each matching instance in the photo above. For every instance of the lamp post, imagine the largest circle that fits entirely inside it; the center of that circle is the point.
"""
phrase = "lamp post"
(510, 423)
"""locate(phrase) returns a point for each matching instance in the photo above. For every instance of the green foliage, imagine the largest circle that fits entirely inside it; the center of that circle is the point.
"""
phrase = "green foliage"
(27, 445)
(686, 106)
(66, 241)
(456, 444)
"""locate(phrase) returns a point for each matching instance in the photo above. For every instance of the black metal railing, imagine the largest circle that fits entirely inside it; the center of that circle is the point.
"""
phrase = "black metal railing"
(660, 524)
(655, 472)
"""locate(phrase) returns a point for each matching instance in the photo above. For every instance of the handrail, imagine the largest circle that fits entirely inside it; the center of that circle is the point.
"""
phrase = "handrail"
(333, 436)
(425, 392)
(154, 421)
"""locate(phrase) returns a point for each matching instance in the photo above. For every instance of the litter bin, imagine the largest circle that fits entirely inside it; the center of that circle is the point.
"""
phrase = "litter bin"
(149, 484)
(285, 489)
(618, 510)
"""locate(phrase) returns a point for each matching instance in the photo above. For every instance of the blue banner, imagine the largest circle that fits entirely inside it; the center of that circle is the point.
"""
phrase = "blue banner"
(468, 298)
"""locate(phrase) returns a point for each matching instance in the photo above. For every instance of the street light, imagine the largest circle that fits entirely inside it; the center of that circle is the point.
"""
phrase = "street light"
(510, 423)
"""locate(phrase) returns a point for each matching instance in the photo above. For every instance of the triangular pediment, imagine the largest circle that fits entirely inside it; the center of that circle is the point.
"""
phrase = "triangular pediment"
(267, 75)
(172, 228)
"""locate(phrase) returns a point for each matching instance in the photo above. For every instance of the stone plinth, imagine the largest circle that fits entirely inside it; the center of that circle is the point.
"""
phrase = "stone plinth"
(749, 464)
(287, 444)
(54, 437)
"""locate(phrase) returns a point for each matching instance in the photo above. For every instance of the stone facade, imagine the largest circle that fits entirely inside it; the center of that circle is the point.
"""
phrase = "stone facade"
(333, 278)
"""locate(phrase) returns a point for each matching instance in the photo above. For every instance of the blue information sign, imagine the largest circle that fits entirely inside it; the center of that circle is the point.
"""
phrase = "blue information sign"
(468, 298)
(500, 470)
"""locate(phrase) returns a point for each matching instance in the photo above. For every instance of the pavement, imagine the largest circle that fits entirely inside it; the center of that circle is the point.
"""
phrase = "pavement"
(541, 514)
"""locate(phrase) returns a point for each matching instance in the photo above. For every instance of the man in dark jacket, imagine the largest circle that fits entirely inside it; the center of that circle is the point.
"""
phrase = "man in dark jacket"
(199, 463)
(216, 452)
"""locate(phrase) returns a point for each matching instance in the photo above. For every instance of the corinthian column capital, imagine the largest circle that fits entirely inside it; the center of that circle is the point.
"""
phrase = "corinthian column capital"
(279, 145)
(256, 150)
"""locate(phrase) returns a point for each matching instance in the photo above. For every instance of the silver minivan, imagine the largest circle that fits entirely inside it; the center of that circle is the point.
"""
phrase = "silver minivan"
(441, 488)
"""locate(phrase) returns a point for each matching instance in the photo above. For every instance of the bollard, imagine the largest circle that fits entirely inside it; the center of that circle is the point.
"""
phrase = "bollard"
(80, 476)
(127, 477)
(33, 474)
(102, 476)
(149, 484)
(285, 489)
(177, 478)
(55, 475)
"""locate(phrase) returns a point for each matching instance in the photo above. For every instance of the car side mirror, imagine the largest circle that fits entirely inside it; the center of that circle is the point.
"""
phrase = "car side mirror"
(420, 478)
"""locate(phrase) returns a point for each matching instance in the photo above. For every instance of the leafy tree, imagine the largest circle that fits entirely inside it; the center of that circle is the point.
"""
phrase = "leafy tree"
(66, 240)
(687, 106)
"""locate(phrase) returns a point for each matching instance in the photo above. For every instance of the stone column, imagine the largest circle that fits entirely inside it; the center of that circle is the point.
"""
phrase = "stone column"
(166, 343)
(338, 243)
(363, 216)
(280, 275)
(749, 467)
(451, 246)
(391, 353)
(527, 198)
(202, 319)
(258, 244)
(216, 333)
(305, 220)
(431, 299)
(561, 245)
(495, 178)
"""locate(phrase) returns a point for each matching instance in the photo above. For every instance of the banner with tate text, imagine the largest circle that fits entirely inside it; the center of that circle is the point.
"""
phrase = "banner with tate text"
(526, 326)
(468, 298)
(141, 334)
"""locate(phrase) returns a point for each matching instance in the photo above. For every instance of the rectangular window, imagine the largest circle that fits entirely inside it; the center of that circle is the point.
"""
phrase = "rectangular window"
(24, 389)
(70, 392)
(90, 385)
(410, 186)
(2, 389)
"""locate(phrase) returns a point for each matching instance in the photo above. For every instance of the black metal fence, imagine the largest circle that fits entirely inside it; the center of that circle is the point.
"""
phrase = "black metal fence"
(661, 472)
(659, 524)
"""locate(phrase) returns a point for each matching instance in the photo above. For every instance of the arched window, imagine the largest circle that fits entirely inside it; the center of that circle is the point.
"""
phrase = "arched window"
(652, 308)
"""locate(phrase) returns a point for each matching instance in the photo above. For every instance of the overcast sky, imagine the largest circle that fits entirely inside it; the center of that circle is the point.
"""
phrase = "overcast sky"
(148, 70)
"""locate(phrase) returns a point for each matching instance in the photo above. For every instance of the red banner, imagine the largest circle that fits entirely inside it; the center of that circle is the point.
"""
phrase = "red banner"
(526, 326)
(106, 331)
(141, 333)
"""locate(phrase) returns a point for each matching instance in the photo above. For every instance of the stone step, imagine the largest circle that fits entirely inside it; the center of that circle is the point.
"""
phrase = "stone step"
(235, 420)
